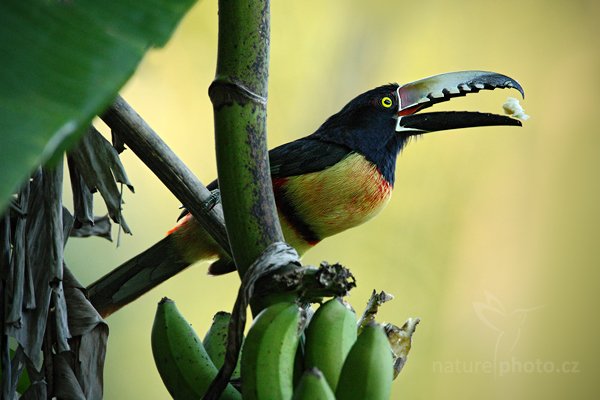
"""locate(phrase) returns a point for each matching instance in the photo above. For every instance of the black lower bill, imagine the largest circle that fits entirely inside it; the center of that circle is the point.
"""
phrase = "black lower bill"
(440, 121)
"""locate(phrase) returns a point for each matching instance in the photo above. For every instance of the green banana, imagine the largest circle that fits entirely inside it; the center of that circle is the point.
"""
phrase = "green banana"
(313, 386)
(215, 341)
(367, 371)
(299, 359)
(180, 357)
(269, 352)
(329, 337)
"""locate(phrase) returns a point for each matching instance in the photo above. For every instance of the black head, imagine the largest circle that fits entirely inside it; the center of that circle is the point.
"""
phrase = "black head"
(379, 122)
(367, 125)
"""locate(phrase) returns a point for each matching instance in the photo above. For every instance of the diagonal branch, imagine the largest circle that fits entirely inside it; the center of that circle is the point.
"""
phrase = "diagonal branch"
(132, 279)
(165, 164)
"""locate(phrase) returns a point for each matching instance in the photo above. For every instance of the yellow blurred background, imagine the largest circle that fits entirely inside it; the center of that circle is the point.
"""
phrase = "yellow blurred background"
(491, 236)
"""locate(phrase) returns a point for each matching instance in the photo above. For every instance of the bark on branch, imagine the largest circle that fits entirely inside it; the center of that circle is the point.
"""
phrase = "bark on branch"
(165, 164)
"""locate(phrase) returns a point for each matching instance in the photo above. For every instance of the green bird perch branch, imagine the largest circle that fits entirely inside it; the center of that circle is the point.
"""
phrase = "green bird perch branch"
(239, 97)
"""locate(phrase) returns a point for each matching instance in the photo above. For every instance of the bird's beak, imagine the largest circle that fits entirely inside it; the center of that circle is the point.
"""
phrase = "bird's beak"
(415, 96)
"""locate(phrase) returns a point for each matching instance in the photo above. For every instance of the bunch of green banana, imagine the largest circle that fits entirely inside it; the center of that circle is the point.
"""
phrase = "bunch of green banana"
(367, 372)
(183, 363)
(329, 337)
(269, 353)
(330, 359)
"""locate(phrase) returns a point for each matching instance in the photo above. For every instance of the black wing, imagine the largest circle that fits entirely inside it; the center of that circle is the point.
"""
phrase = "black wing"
(305, 155)
(299, 157)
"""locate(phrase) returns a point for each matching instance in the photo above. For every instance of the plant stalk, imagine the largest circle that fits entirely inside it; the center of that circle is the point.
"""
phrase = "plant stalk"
(239, 97)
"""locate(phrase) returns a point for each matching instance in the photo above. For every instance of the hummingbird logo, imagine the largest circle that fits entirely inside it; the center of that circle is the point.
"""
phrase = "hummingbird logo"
(508, 325)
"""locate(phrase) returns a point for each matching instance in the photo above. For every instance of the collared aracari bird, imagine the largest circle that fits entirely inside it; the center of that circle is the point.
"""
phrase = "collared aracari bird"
(337, 178)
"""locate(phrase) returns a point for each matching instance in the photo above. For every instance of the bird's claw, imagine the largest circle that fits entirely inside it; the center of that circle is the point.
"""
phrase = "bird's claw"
(213, 199)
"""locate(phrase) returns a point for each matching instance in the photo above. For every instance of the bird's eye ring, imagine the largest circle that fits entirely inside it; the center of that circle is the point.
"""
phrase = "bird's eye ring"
(386, 102)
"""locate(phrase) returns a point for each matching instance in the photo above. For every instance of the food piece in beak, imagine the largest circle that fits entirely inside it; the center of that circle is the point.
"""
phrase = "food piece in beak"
(514, 109)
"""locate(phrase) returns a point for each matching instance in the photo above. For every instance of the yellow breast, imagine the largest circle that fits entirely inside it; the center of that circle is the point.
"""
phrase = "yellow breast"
(340, 197)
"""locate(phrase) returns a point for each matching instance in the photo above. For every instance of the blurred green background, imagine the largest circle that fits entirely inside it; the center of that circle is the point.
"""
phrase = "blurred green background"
(491, 236)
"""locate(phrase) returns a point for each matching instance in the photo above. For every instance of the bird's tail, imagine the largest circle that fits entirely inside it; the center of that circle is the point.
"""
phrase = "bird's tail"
(136, 276)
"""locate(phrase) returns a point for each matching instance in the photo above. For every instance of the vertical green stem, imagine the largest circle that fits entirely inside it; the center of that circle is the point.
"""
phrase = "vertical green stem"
(239, 97)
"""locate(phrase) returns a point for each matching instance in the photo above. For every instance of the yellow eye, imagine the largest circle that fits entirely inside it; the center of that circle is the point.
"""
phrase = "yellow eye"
(386, 102)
